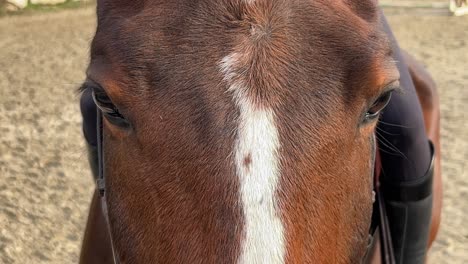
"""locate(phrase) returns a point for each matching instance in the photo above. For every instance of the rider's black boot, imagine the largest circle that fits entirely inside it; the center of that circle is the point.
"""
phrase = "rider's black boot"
(409, 209)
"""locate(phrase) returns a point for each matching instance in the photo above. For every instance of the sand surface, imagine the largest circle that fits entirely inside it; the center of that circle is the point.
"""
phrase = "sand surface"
(45, 183)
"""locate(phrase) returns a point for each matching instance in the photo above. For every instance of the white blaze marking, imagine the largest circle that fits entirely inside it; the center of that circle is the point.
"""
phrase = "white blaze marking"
(258, 142)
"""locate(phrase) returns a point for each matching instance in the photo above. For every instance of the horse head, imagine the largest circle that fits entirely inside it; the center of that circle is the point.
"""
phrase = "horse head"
(240, 130)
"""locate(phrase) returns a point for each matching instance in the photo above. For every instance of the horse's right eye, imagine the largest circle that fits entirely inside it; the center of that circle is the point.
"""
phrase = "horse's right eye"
(108, 109)
(377, 107)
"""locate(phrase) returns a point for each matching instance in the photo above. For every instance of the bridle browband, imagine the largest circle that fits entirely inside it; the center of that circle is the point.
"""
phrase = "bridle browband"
(379, 214)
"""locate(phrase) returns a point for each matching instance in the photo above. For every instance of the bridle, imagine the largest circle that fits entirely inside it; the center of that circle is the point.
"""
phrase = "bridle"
(379, 214)
(380, 218)
(100, 181)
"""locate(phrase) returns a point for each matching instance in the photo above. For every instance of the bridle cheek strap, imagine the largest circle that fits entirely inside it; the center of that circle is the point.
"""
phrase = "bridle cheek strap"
(100, 182)
(379, 216)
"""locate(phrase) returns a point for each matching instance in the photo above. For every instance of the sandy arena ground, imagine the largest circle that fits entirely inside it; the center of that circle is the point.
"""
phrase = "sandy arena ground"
(45, 184)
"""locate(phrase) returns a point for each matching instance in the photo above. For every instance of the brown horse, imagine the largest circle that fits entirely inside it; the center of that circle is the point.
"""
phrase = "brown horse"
(239, 130)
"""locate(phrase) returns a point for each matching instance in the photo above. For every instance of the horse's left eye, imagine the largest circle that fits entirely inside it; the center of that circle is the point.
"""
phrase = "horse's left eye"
(108, 109)
(377, 107)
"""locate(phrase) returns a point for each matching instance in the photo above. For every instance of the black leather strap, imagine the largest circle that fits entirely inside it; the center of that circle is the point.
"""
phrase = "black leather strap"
(388, 255)
(100, 182)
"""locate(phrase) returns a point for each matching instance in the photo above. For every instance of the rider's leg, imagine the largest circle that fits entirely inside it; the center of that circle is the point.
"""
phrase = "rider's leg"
(406, 168)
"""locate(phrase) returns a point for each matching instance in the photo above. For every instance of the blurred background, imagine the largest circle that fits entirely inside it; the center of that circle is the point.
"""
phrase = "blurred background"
(45, 181)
